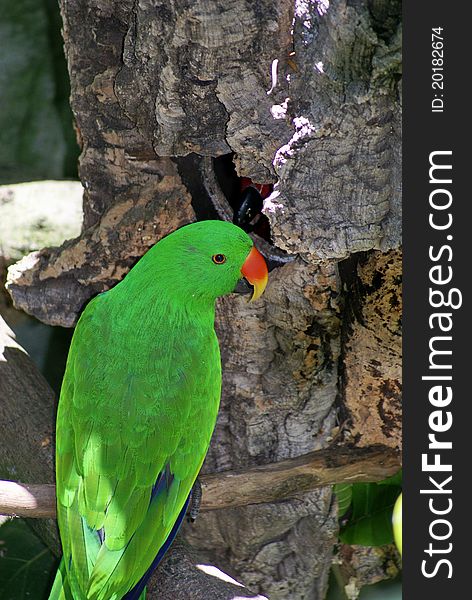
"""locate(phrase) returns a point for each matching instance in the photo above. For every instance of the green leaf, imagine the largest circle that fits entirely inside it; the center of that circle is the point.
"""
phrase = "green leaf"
(372, 505)
(343, 493)
(26, 564)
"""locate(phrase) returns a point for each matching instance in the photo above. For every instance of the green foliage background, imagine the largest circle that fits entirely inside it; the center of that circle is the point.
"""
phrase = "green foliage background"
(26, 564)
(37, 140)
(366, 510)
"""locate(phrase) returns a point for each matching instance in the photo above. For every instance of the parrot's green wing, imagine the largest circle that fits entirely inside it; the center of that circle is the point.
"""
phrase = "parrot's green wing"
(132, 433)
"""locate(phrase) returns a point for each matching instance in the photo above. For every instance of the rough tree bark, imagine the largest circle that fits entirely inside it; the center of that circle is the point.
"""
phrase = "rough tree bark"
(319, 356)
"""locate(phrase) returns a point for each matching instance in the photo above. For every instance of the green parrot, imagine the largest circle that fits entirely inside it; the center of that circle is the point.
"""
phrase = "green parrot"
(138, 406)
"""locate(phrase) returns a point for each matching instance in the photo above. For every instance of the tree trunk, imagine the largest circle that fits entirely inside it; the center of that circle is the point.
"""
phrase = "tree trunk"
(160, 90)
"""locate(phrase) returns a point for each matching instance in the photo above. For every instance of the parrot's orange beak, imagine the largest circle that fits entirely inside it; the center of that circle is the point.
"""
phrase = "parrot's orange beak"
(255, 271)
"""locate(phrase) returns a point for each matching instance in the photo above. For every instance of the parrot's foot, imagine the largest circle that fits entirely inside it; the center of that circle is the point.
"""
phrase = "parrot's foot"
(195, 501)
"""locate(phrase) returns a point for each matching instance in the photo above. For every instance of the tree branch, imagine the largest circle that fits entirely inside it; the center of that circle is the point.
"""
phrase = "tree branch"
(257, 485)
(30, 501)
(292, 477)
(27, 409)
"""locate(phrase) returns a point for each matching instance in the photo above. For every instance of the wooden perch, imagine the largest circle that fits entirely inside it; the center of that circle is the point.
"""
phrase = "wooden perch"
(22, 500)
(267, 483)
(292, 477)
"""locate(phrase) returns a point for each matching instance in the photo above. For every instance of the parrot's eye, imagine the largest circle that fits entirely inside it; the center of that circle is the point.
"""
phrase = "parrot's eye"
(218, 259)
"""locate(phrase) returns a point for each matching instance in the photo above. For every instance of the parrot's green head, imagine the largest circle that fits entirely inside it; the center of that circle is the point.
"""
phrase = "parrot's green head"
(207, 259)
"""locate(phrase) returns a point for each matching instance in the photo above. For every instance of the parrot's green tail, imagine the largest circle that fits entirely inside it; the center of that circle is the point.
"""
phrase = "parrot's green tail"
(60, 588)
